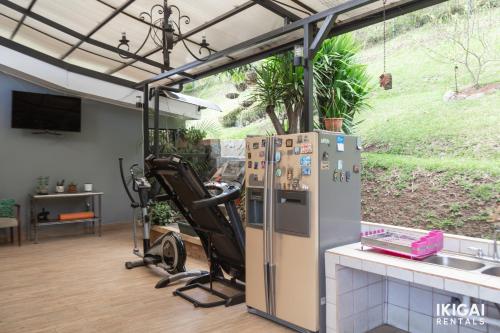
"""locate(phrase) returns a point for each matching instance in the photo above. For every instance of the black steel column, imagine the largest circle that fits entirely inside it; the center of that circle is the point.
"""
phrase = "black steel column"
(156, 124)
(307, 114)
(145, 121)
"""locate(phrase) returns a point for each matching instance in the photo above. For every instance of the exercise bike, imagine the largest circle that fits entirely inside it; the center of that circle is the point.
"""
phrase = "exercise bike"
(167, 255)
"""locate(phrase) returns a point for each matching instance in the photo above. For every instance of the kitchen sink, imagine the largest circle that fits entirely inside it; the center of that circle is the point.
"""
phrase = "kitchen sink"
(458, 263)
(495, 271)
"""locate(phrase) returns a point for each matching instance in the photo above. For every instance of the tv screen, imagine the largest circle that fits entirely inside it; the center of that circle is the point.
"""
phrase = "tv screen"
(46, 112)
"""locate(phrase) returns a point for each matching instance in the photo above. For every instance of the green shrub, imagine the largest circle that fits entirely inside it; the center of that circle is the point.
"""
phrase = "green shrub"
(161, 213)
(231, 118)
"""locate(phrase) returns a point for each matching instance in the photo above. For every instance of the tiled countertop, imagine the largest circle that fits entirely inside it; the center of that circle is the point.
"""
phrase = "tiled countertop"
(463, 282)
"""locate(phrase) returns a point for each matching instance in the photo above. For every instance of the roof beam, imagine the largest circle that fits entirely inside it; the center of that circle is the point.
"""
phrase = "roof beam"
(99, 26)
(196, 30)
(220, 18)
(338, 10)
(21, 21)
(277, 9)
(62, 64)
(303, 5)
(322, 34)
(78, 35)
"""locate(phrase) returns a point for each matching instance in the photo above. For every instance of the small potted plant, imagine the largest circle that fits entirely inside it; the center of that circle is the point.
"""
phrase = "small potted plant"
(72, 187)
(161, 213)
(60, 186)
(42, 185)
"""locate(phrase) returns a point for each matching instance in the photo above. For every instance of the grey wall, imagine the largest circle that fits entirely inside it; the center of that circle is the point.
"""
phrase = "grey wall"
(108, 132)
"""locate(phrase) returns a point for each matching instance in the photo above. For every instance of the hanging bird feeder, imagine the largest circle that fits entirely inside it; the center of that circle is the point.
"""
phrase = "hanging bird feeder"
(385, 80)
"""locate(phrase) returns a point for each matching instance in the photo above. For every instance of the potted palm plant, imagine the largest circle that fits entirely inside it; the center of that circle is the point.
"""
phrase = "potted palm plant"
(342, 84)
(332, 116)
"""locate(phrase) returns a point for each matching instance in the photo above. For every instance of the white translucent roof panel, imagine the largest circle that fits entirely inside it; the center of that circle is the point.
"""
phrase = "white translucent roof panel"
(78, 15)
(40, 42)
(22, 3)
(147, 67)
(91, 61)
(83, 16)
(132, 74)
(6, 26)
(6, 11)
(50, 31)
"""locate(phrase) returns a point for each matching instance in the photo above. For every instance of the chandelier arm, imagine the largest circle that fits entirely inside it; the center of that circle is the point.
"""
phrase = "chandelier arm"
(144, 42)
(192, 54)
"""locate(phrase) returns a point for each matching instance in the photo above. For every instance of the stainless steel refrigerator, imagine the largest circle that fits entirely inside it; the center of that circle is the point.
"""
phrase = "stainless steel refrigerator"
(303, 197)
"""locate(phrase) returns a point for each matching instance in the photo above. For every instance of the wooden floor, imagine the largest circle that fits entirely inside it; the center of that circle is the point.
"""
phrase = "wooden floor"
(79, 284)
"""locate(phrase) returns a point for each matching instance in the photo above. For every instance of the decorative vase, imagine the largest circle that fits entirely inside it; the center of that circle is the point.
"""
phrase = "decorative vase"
(59, 189)
(87, 187)
(72, 188)
(333, 124)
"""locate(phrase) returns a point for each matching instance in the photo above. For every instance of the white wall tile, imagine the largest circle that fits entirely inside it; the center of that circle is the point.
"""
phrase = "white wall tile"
(346, 325)
(451, 244)
(360, 298)
(488, 294)
(330, 330)
(330, 261)
(346, 308)
(400, 273)
(375, 294)
(420, 323)
(468, 329)
(372, 278)
(331, 290)
(351, 262)
(331, 316)
(438, 298)
(399, 294)
(398, 317)
(493, 329)
(375, 316)
(428, 280)
(443, 328)
(359, 279)
(344, 280)
(360, 322)
(462, 288)
(421, 301)
(374, 267)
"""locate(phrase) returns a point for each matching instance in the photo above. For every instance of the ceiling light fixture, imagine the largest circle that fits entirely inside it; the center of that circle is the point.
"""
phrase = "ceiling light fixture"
(165, 31)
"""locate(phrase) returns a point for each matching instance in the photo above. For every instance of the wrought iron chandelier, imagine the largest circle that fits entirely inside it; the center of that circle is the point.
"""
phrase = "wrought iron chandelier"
(165, 23)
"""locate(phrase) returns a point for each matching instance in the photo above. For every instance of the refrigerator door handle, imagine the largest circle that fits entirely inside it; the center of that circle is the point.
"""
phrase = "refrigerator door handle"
(265, 229)
(270, 230)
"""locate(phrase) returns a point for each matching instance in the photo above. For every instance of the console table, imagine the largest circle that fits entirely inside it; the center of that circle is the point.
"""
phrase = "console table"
(87, 196)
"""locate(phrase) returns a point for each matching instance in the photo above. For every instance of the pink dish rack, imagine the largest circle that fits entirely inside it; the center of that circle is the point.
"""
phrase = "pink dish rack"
(404, 244)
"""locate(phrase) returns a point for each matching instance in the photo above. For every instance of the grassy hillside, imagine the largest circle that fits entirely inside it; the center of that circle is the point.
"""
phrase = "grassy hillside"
(427, 162)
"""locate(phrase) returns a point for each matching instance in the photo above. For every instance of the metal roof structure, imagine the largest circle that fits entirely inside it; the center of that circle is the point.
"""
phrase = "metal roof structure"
(82, 36)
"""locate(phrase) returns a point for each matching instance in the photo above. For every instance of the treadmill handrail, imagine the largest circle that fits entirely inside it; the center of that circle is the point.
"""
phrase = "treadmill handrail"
(233, 193)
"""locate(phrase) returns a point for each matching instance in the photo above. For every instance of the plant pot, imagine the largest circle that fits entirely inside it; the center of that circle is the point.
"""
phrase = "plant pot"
(72, 188)
(186, 229)
(59, 189)
(333, 124)
(87, 187)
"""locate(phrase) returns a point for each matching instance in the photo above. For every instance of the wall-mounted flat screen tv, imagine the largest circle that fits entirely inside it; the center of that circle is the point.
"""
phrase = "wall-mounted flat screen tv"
(46, 112)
